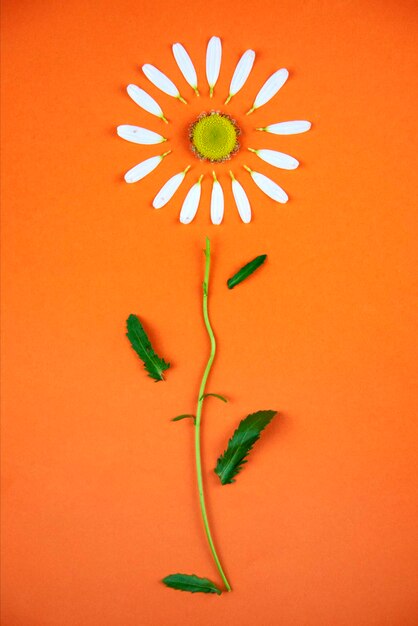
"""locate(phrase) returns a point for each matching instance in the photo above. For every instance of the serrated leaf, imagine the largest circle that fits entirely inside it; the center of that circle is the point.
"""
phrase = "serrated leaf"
(240, 444)
(182, 417)
(215, 395)
(191, 583)
(246, 271)
(154, 365)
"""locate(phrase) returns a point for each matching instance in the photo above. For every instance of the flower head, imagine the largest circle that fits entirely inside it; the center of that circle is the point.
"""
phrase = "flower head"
(213, 135)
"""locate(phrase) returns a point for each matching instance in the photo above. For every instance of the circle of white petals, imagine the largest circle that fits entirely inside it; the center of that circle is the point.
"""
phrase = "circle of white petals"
(144, 136)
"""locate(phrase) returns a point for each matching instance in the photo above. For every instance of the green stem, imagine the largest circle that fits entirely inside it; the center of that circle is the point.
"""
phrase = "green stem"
(199, 416)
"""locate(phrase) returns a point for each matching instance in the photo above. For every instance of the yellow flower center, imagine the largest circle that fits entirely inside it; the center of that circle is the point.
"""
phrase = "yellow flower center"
(214, 137)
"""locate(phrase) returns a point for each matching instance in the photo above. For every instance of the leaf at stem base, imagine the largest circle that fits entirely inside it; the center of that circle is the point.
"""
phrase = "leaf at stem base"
(191, 583)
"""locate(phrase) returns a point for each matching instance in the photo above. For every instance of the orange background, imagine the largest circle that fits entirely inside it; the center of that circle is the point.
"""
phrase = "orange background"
(100, 494)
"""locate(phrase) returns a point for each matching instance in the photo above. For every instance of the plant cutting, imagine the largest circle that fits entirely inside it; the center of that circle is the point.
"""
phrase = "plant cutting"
(212, 137)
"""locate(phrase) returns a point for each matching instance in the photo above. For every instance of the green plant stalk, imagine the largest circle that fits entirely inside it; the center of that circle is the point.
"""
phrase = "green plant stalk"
(199, 415)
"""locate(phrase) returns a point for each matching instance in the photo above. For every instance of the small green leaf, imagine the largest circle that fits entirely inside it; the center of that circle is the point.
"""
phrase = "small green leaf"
(215, 395)
(192, 583)
(182, 417)
(142, 346)
(240, 444)
(246, 271)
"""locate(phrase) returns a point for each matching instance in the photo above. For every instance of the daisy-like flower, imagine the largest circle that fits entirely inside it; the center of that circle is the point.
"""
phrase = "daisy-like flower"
(213, 135)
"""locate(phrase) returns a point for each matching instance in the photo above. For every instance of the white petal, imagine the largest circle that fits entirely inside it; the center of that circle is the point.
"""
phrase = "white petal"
(270, 88)
(278, 159)
(160, 80)
(136, 134)
(213, 61)
(242, 71)
(168, 190)
(185, 65)
(217, 203)
(145, 101)
(241, 200)
(288, 128)
(269, 187)
(144, 168)
(191, 203)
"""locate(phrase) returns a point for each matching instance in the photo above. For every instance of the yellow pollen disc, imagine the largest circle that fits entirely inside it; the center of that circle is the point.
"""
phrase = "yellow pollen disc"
(214, 137)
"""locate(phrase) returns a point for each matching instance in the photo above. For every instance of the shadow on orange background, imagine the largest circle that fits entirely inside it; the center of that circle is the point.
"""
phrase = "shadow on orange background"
(99, 486)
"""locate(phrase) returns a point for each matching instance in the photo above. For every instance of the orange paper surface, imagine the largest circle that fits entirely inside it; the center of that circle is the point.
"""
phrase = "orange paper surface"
(99, 487)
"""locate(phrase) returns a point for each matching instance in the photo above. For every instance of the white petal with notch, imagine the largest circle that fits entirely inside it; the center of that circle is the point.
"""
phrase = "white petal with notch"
(191, 203)
(287, 128)
(268, 186)
(270, 88)
(144, 168)
(241, 200)
(213, 62)
(145, 101)
(136, 134)
(277, 159)
(161, 81)
(185, 64)
(242, 71)
(216, 202)
(168, 190)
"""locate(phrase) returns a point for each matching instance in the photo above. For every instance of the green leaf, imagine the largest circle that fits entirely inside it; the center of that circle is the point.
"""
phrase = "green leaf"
(142, 346)
(246, 271)
(192, 583)
(240, 444)
(182, 417)
(215, 395)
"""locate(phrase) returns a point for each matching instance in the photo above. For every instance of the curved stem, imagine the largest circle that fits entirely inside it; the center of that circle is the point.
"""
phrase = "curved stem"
(199, 416)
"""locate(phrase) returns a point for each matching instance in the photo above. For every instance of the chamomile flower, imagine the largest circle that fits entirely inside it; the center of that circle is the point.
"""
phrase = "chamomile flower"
(213, 135)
